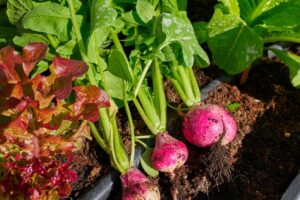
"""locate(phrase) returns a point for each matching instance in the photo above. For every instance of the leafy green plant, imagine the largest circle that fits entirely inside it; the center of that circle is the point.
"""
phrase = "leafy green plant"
(239, 29)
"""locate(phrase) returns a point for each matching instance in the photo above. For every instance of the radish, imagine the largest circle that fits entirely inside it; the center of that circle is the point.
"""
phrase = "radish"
(169, 153)
(205, 125)
(137, 187)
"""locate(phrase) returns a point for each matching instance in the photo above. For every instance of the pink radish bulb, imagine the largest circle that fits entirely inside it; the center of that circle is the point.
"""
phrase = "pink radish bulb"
(205, 125)
(136, 186)
(169, 153)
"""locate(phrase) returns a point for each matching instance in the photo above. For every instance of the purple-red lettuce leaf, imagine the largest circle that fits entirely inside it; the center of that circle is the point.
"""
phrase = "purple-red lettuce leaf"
(88, 99)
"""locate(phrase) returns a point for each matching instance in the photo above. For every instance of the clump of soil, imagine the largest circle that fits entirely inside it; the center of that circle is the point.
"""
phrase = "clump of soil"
(89, 163)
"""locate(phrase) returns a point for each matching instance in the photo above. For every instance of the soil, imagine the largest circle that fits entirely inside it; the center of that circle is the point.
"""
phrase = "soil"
(90, 163)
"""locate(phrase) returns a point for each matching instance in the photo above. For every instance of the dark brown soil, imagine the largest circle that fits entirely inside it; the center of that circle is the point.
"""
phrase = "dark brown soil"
(264, 157)
(90, 163)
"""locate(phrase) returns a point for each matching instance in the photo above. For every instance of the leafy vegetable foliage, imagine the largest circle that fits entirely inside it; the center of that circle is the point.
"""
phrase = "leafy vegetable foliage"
(36, 124)
(239, 28)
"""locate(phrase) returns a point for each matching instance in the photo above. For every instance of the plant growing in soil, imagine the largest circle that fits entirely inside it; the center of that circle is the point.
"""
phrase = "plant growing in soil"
(37, 124)
(239, 29)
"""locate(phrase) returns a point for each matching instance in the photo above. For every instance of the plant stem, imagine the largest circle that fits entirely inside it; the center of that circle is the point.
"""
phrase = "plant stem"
(131, 126)
(80, 43)
(98, 138)
(144, 136)
(113, 155)
(148, 107)
(104, 123)
(186, 84)
(142, 143)
(160, 94)
(194, 83)
(141, 79)
(179, 90)
(145, 118)
(118, 146)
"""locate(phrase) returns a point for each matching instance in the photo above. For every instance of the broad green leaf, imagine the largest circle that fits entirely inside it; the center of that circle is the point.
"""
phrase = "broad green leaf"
(27, 38)
(252, 9)
(67, 48)
(103, 18)
(170, 6)
(270, 12)
(119, 66)
(113, 85)
(40, 68)
(293, 63)
(232, 6)
(145, 10)
(50, 18)
(234, 46)
(278, 34)
(286, 14)
(182, 5)
(17, 8)
(201, 31)
(178, 30)
(221, 23)
(147, 164)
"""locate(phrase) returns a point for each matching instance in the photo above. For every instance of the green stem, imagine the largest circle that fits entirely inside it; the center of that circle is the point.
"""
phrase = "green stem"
(141, 79)
(194, 83)
(113, 155)
(118, 147)
(144, 136)
(176, 108)
(145, 118)
(117, 42)
(148, 107)
(174, 69)
(186, 84)
(142, 143)
(98, 138)
(160, 94)
(180, 91)
(282, 39)
(104, 123)
(80, 43)
(131, 126)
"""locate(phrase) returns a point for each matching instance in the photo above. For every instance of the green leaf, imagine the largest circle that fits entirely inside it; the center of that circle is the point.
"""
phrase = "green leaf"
(146, 163)
(270, 12)
(27, 38)
(278, 34)
(232, 107)
(286, 13)
(103, 17)
(232, 6)
(40, 68)
(201, 31)
(293, 63)
(17, 8)
(145, 10)
(233, 44)
(178, 30)
(113, 85)
(119, 66)
(170, 6)
(67, 48)
(50, 18)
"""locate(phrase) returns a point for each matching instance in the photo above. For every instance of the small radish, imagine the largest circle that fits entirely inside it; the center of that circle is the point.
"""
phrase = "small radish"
(168, 155)
(136, 186)
(205, 125)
